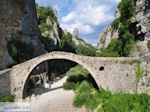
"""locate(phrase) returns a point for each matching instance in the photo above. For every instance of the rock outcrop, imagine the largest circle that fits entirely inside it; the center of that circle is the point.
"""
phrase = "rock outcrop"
(141, 22)
(18, 19)
(75, 36)
(106, 36)
(53, 33)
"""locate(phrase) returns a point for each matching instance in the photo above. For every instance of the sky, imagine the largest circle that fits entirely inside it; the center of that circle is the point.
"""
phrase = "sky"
(90, 17)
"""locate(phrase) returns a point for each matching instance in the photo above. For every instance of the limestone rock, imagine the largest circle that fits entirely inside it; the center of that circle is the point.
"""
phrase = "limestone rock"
(106, 36)
(141, 20)
(117, 13)
(65, 32)
(55, 13)
(48, 21)
(18, 19)
(53, 33)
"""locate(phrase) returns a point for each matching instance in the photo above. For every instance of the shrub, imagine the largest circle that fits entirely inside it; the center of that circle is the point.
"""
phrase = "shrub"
(20, 51)
(115, 23)
(46, 41)
(52, 76)
(87, 95)
(121, 102)
(69, 86)
(44, 12)
(8, 98)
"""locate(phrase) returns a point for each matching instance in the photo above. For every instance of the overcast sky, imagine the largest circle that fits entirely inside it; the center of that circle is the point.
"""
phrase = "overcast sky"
(88, 16)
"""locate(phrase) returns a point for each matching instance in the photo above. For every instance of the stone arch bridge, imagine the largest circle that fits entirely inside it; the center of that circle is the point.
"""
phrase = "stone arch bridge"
(114, 74)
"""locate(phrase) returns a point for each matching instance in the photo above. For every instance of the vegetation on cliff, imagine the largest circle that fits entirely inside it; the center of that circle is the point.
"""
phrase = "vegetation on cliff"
(20, 51)
(43, 13)
(122, 45)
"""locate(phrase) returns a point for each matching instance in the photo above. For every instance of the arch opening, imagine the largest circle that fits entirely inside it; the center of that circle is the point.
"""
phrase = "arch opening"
(39, 82)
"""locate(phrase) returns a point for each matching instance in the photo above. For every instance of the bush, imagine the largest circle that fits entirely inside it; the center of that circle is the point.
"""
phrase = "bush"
(47, 43)
(120, 102)
(127, 10)
(52, 76)
(8, 98)
(20, 51)
(44, 12)
(70, 85)
(87, 50)
(87, 95)
(115, 23)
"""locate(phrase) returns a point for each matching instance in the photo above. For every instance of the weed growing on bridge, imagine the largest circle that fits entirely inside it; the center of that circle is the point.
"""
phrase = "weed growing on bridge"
(52, 76)
(8, 98)
(130, 62)
(148, 44)
(139, 72)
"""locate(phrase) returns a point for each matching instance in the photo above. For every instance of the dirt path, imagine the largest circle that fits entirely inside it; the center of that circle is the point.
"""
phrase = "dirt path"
(56, 100)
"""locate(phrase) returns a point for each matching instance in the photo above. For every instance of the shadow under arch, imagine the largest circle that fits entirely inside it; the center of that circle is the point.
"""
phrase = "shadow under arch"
(24, 91)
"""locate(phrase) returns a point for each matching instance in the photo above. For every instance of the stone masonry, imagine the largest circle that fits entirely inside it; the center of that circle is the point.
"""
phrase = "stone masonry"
(114, 74)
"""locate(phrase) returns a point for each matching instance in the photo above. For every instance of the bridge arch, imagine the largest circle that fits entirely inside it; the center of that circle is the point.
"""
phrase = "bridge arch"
(51, 56)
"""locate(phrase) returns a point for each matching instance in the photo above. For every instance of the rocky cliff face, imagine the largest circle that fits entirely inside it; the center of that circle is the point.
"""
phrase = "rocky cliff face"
(140, 23)
(18, 19)
(106, 36)
(52, 34)
(49, 26)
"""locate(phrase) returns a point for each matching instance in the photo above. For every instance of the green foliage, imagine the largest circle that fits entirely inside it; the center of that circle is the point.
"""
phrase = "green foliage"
(8, 98)
(52, 76)
(139, 72)
(88, 50)
(79, 74)
(44, 27)
(60, 66)
(115, 23)
(123, 45)
(44, 12)
(20, 51)
(148, 44)
(67, 44)
(120, 102)
(46, 41)
(69, 86)
(91, 97)
(127, 10)
(87, 96)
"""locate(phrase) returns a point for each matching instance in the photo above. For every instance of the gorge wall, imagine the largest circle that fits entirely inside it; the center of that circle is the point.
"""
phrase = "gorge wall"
(139, 22)
(18, 19)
